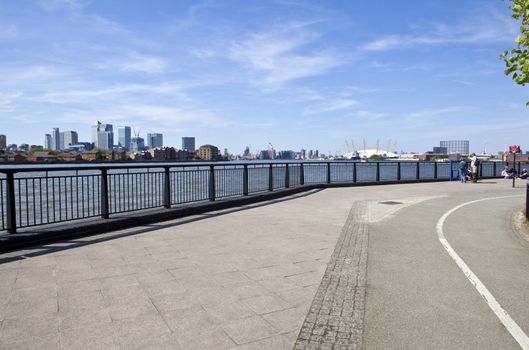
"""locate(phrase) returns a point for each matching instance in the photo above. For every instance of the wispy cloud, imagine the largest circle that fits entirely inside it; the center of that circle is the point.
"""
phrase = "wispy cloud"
(54, 5)
(144, 64)
(332, 106)
(280, 56)
(485, 28)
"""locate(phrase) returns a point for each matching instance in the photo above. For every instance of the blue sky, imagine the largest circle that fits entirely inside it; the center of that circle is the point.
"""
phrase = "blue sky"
(298, 74)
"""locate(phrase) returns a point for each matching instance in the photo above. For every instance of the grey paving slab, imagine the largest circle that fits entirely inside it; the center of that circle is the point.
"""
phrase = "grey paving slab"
(240, 280)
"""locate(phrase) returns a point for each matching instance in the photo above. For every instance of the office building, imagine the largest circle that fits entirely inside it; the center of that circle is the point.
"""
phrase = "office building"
(154, 140)
(103, 136)
(456, 146)
(124, 137)
(3, 142)
(55, 139)
(440, 150)
(208, 152)
(137, 144)
(246, 152)
(188, 143)
(47, 141)
(69, 138)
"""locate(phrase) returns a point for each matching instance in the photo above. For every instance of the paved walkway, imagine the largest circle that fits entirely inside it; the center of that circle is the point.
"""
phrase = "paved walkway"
(253, 278)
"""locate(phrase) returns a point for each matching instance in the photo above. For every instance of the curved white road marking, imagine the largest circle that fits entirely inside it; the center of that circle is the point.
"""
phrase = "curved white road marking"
(508, 322)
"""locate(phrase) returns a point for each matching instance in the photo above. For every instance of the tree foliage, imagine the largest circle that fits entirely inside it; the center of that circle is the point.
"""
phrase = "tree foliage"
(517, 59)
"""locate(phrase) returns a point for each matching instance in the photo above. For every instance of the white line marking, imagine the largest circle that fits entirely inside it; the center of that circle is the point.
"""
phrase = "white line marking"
(504, 317)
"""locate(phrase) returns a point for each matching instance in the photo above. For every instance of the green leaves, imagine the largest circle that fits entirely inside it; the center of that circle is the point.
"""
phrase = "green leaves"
(517, 59)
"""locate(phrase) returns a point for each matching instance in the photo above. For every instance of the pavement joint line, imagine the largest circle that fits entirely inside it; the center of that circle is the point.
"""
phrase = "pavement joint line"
(511, 326)
(336, 315)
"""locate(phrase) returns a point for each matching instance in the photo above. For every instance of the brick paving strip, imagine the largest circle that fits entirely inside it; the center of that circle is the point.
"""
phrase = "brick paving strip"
(335, 318)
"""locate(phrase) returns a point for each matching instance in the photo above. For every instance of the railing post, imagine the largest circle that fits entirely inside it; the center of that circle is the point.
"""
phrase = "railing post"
(328, 172)
(287, 176)
(104, 194)
(10, 204)
(418, 171)
(398, 171)
(270, 178)
(451, 172)
(480, 170)
(212, 183)
(527, 202)
(301, 175)
(354, 172)
(435, 170)
(378, 172)
(245, 180)
(519, 167)
(167, 188)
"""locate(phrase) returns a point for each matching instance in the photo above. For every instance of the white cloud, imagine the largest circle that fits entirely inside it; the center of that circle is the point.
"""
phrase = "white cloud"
(144, 64)
(484, 28)
(332, 106)
(54, 5)
(278, 57)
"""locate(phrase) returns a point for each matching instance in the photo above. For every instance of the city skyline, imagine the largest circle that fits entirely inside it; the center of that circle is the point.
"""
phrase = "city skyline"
(296, 74)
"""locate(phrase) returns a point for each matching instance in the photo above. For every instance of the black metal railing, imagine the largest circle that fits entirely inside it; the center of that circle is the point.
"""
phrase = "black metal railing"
(39, 195)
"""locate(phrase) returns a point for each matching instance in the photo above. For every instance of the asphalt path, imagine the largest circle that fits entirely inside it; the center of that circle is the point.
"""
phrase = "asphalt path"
(419, 298)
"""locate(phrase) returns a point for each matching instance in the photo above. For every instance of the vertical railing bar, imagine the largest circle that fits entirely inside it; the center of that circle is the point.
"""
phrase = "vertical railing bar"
(245, 180)
(104, 194)
(270, 178)
(11, 203)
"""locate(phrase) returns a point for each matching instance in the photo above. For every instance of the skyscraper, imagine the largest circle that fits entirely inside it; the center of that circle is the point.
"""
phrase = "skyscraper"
(69, 138)
(154, 140)
(188, 143)
(55, 139)
(124, 137)
(3, 142)
(47, 141)
(103, 136)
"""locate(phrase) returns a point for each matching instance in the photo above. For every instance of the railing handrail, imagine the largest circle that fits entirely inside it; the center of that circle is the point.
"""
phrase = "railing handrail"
(37, 167)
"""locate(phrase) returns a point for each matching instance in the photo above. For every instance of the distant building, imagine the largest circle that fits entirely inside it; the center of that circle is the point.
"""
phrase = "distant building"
(81, 147)
(264, 155)
(103, 136)
(11, 147)
(303, 154)
(163, 153)
(440, 150)
(23, 147)
(69, 138)
(55, 139)
(137, 144)
(3, 142)
(188, 143)
(287, 155)
(48, 142)
(208, 152)
(124, 137)
(154, 140)
(456, 146)
(246, 152)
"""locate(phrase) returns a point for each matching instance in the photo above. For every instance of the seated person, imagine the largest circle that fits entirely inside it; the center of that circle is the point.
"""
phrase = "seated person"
(523, 174)
(505, 172)
(512, 173)
(468, 175)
